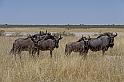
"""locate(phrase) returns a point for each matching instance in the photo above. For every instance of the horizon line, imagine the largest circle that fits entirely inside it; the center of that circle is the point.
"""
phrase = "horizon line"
(60, 24)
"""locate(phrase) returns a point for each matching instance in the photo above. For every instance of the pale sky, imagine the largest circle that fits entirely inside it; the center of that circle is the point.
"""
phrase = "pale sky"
(61, 11)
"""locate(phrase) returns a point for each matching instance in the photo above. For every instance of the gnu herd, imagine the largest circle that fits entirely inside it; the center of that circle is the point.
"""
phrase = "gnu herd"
(46, 41)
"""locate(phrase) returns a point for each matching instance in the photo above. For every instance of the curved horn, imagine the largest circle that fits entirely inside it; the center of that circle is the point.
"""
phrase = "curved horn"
(88, 37)
(82, 36)
(53, 34)
(40, 32)
(46, 31)
(60, 36)
(29, 35)
(115, 34)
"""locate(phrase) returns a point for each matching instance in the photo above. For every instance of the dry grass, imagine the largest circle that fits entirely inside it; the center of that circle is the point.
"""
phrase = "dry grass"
(63, 29)
(96, 68)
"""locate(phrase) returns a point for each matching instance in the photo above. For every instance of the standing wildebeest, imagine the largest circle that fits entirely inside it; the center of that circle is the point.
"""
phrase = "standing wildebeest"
(28, 44)
(80, 46)
(48, 44)
(102, 42)
(40, 34)
(23, 44)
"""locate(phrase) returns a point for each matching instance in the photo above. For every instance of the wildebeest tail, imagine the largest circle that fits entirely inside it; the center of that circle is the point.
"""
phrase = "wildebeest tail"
(66, 50)
(12, 50)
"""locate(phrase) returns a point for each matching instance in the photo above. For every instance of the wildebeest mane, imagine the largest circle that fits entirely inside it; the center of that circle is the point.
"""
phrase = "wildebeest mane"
(104, 34)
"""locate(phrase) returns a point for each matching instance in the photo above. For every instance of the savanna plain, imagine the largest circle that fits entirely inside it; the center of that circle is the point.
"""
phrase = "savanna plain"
(61, 68)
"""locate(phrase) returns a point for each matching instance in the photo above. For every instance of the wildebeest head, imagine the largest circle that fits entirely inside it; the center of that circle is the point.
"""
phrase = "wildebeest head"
(82, 38)
(32, 38)
(111, 38)
(86, 41)
(56, 40)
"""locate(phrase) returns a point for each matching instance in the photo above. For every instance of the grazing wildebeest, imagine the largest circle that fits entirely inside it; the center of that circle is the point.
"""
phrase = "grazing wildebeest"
(102, 42)
(80, 46)
(48, 44)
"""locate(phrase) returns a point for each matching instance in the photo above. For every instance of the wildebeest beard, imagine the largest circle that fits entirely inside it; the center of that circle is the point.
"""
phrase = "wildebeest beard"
(56, 45)
(86, 44)
(111, 45)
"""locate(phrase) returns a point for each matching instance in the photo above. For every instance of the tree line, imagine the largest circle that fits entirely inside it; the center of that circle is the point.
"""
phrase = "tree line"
(61, 26)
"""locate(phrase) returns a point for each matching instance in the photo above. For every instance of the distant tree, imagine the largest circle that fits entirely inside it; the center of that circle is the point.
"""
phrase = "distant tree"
(81, 24)
(6, 25)
(113, 24)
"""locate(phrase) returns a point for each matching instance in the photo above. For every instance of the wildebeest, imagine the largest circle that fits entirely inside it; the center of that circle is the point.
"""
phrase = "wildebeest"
(23, 44)
(102, 42)
(41, 33)
(80, 46)
(28, 44)
(48, 44)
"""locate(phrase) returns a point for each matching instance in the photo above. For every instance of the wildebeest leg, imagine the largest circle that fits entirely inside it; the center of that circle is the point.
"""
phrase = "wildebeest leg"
(103, 52)
(14, 55)
(69, 52)
(85, 55)
(66, 53)
(51, 53)
(19, 52)
(33, 52)
(11, 51)
(38, 52)
(80, 53)
(30, 51)
(20, 55)
(15, 52)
